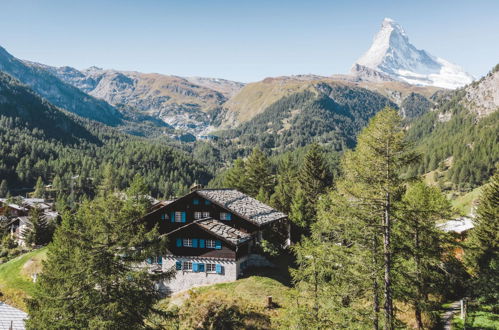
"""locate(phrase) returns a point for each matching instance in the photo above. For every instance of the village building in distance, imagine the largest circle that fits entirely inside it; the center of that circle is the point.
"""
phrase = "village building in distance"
(213, 235)
(14, 215)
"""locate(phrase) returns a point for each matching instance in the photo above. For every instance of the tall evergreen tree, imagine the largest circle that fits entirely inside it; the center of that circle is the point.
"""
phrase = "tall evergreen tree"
(286, 186)
(93, 277)
(39, 231)
(236, 176)
(372, 176)
(482, 254)
(421, 245)
(258, 173)
(39, 189)
(4, 189)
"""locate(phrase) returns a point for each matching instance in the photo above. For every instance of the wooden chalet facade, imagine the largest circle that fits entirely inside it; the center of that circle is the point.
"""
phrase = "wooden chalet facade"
(213, 235)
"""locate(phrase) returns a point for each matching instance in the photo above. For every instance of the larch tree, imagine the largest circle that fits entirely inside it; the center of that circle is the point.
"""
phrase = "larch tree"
(372, 178)
(95, 276)
(258, 174)
(4, 189)
(482, 253)
(421, 245)
(39, 189)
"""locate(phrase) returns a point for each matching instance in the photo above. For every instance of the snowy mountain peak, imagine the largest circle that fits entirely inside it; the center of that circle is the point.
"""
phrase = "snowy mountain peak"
(391, 53)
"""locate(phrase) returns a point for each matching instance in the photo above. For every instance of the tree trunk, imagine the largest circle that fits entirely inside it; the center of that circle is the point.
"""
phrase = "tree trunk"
(388, 265)
(375, 285)
(419, 293)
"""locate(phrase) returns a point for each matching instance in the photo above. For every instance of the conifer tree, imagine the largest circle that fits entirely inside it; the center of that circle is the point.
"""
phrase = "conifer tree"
(285, 189)
(258, 173)
(57, 184)
(94, 276)
(39, 189)
(4, 189)
(40, 230)
(236, 176)
(421, 245)
(482, 254)
(372, 177)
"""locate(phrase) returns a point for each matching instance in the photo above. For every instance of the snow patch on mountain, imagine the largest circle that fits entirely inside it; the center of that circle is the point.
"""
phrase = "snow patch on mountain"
(391, 53)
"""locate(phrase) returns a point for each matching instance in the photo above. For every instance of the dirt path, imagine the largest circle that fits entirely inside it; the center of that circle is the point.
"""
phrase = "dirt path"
(448, 314)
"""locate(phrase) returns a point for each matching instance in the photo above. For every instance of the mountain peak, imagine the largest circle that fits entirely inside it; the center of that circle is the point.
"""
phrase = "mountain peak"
(392, 53)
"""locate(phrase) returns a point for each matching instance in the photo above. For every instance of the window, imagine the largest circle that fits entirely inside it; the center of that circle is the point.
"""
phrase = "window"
(187, 242)
(198, 215)
(210, 243)
(206, 214)
(187, 265)
(211, 268)
(195, 201)
(225, 216)
(207, 202)
(178, 216)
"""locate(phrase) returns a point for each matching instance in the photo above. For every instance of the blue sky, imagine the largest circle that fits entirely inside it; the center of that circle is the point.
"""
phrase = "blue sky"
(241, 40)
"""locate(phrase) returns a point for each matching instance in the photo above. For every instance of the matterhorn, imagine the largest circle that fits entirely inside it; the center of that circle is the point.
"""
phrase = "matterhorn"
(392, 57)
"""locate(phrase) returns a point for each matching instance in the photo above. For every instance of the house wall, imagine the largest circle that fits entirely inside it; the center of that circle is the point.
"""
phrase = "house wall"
(185, 280)
(226, 252)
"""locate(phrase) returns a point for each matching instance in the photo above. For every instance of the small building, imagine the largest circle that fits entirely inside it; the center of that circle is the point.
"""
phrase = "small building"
(14, 214)
(213, 236)
(11, 318)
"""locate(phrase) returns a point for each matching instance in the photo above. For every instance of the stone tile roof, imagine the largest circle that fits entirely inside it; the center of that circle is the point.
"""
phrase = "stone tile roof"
(224, 231)
(242, 205)
(11, 316)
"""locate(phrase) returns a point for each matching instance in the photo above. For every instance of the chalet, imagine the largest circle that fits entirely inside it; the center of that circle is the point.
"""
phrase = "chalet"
(14, 214)
(213, 236)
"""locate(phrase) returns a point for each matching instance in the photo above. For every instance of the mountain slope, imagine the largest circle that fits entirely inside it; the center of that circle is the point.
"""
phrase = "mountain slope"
(462, 128)
(392, 56)
(184, 103)
(39, 140)
(57, 92)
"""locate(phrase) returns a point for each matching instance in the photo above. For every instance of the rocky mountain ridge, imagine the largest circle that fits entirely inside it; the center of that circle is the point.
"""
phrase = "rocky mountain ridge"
(392, 56)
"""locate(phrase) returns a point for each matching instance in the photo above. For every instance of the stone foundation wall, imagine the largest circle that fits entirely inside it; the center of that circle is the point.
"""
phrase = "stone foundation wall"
(187, 279)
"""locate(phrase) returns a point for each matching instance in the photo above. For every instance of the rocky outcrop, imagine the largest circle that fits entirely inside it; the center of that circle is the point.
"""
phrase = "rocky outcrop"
(482, 97)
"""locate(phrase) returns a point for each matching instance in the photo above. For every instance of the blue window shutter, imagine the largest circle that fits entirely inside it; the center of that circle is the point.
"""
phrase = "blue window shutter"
(195, 242)
(229, 216)
(218, 245)
(207, 202)
(159, 260)
(201, 267)
(179, 242)
(201, 243)
(178, 265)
(218, 268)
(195, 201)
(149, 261)
(162, 216)
(195, 267)
(172, 217)
(183, 216)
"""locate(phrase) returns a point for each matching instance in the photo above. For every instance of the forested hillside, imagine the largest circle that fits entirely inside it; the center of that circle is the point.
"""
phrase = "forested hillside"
(462, 132)
(40, 140)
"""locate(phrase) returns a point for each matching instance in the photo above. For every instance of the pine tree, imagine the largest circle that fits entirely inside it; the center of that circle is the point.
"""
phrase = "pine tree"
(258, 173)
(57, 184)
(482, 254)
(236, 176)
(4, 189)
(40, 230)
(372, 176)
(286, 186)
(39, 189)
(314, 175)
(421, 245)
(90, 278)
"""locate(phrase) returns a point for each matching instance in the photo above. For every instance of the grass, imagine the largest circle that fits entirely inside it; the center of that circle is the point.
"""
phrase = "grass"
(479, 317)
(464, 203)
(15, 277)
